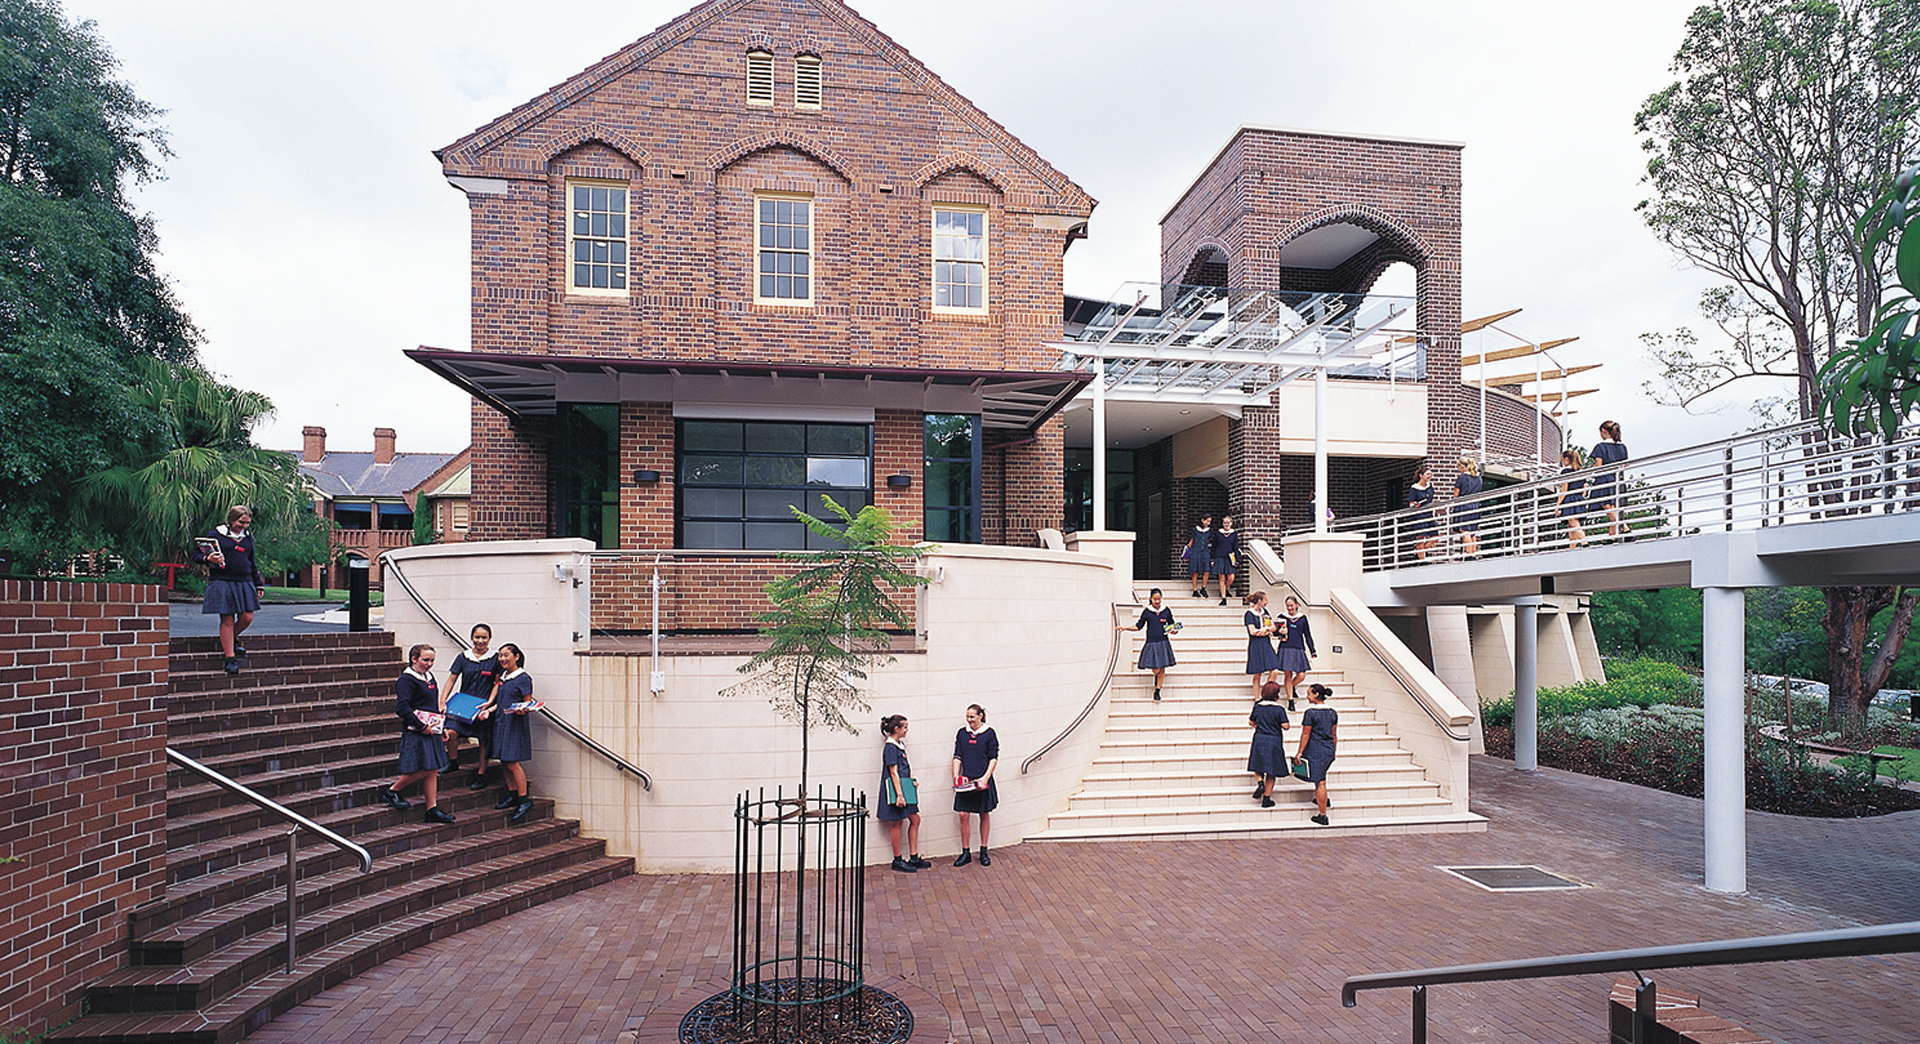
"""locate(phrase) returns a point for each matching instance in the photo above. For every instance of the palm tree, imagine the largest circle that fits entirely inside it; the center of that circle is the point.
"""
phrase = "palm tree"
(193, 460)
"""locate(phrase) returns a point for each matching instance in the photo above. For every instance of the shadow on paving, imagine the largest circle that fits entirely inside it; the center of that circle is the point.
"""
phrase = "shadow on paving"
(1221, 940)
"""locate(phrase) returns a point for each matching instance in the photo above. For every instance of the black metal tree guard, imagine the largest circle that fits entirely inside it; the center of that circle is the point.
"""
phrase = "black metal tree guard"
(799, 927)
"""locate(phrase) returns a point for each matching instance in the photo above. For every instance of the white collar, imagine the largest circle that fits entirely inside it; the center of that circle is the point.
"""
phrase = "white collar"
(225, 532)
(418, 675)
(898, 742)
(975, 732)
(517, 672)
(476, 657)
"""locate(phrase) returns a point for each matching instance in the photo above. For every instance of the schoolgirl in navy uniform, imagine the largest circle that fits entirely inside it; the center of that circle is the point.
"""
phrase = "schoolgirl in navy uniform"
(422, 752)
(1606, 490)
(976, 753)
(1262, 664)
(512, 733)
(894, 767)
(1420, 494)
(1157, 654)
(1319, 734)
(473, 673)
(1226, 555)
(1200, 554)
(1295, 641)
(1267, 758)
(234, 583)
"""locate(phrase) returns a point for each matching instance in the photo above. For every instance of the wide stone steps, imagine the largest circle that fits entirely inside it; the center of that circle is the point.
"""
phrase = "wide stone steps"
(1177, 767)
(309, 723)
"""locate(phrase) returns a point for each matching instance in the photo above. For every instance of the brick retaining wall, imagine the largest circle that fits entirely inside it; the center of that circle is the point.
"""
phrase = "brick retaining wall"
(83, 684)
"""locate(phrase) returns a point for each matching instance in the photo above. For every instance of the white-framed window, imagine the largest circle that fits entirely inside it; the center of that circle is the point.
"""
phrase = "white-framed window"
(597, 238)
(959, 259)
(783, 251)
(759, 77)
(808, 91)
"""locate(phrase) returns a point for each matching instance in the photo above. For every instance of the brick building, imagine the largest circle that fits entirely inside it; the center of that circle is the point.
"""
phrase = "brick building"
(763, 253)
(372, 497)
(760, 254)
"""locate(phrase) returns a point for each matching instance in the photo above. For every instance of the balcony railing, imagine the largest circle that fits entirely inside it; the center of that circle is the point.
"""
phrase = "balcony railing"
(1783, 476)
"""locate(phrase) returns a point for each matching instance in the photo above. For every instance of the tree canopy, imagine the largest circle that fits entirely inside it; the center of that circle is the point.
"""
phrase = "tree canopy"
(81, 301)
(1788, 119)
(1787, 122)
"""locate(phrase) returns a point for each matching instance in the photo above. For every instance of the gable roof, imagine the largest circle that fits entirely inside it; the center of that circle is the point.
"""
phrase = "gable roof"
(356, 475)
(465, 152)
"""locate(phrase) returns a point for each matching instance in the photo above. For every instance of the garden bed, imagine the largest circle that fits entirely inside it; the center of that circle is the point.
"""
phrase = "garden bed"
(1673, 763)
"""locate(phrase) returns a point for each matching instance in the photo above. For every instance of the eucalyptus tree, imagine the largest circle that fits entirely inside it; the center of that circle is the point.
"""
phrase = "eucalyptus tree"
(1787, 121)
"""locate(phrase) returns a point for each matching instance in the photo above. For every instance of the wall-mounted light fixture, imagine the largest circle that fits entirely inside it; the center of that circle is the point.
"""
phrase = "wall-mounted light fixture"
(900, 481)
(645, 477)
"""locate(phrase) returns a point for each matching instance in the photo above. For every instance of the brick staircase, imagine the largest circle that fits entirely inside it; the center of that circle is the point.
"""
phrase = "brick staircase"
(310, 725)
(1178, 767)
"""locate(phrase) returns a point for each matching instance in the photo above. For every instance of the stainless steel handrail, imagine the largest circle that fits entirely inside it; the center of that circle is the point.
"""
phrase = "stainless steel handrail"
(1782, 476)
(1844, 942)
(1106, 681)
(646, 782)
(298, 821)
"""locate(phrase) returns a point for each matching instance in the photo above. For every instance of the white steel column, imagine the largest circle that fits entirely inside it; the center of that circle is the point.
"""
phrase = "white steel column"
(1100, 444)
(1723, 649)
(1526, 687)
(1321, 501)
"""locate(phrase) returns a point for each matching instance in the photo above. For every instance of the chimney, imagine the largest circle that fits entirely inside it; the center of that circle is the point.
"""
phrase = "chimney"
(314, 448)
(383, 445)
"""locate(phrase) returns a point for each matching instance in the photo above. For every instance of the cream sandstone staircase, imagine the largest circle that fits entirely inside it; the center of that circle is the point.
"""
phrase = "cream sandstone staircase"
(1177, 768)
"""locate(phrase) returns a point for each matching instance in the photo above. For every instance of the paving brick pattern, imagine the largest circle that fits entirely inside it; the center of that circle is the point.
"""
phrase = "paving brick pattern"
(1218, 940)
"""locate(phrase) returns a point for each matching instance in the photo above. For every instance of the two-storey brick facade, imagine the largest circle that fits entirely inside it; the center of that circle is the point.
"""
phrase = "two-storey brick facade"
(760, 254)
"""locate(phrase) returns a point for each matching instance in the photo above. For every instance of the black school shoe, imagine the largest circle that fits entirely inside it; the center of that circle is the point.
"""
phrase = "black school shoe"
(507, 802)
(985, 859)
(232, 666)
(435, 815)
(520, 811)
(918, 863)
(965, 858)
(902, 866)
(393, 799)
(479, 783)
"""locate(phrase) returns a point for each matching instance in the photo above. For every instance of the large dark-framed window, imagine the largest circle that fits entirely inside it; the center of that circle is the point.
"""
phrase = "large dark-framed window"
(740, 480)
(586, 472)
(952, 478)
(1122, 492)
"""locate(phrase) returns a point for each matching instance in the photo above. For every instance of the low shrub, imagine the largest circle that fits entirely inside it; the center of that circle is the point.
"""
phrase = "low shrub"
(1639, 683)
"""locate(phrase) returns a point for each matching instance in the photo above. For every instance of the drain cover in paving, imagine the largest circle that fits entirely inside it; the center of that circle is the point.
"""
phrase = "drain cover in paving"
(1512, 878)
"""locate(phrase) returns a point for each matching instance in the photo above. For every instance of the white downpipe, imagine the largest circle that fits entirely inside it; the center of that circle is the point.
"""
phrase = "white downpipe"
(659, 681)
(1723, 649)
(1100, 444)
(1526, 687)
(1321, 504)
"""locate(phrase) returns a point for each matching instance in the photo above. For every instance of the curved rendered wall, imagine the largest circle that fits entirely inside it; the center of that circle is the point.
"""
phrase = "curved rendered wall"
(1024, 632)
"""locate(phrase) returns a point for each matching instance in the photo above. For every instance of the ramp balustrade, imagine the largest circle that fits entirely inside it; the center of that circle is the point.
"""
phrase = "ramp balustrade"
(1780, 477)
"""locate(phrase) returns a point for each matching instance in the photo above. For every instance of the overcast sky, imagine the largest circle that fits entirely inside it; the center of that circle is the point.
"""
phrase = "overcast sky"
(309, 233)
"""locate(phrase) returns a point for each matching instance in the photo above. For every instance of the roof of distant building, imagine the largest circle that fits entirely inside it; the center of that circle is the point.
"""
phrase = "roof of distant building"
(356, 475)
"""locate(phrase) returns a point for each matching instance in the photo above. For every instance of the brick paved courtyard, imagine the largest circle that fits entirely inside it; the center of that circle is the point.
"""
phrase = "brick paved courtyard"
(1218, 940)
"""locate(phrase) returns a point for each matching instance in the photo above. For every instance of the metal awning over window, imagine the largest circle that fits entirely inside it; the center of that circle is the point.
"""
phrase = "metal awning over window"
(530, 385)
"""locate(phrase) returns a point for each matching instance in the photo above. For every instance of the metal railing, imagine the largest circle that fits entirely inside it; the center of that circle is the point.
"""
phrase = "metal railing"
(1799, 946)
(1106, 682)
(1783, 476)
(298, 821)
(552, 717)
